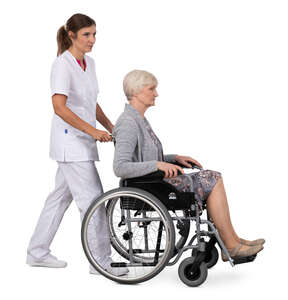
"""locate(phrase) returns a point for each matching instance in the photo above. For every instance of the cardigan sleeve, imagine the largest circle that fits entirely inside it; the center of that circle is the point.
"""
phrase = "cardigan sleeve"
(126, 146)
(170, 158)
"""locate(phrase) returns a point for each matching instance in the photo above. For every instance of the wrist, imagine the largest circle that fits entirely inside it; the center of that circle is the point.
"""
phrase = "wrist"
(87, 129)
(92, 131)
(110, 127)
(158, 164)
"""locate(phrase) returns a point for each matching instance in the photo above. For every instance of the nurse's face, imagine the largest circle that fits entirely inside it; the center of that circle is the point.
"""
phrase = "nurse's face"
(84, 39)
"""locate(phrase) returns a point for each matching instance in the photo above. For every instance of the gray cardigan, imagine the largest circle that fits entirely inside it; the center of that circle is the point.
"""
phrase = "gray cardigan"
(135, 153)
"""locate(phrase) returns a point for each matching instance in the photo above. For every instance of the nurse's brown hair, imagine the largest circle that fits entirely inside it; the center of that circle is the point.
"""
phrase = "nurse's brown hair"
(74, 23)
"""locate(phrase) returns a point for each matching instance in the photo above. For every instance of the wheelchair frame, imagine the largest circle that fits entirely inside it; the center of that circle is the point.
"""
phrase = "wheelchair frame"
(193, 270)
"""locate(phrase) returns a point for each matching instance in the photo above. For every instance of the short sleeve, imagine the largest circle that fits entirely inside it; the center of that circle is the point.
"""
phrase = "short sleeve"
(60, 78)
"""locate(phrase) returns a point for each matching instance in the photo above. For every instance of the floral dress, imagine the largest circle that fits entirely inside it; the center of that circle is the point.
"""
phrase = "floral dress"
(200, 183)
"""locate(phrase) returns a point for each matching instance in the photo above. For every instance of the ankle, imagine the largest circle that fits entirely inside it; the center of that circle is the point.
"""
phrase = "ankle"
(230, 244)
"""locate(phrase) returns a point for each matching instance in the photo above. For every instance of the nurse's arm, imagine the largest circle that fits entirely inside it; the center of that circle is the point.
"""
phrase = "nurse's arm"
(104, 121)
(60, 109)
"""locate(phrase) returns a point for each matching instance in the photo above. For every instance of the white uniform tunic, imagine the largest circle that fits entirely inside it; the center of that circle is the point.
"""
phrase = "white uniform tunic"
(81, 88)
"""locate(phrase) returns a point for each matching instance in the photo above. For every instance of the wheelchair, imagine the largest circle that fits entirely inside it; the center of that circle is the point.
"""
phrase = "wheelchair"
(149, 223)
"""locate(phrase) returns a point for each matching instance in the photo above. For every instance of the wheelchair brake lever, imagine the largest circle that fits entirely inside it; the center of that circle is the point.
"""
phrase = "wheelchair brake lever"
(194, 166)
(113, 139)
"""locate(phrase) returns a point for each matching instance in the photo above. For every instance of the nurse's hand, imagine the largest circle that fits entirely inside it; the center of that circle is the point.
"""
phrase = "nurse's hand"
(102, 136)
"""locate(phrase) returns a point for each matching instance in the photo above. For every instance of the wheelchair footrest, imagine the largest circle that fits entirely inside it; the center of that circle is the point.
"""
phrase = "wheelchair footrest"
(121, 264)
(244, 260)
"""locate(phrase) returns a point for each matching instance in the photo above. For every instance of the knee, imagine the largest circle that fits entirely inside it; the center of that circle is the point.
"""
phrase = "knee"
(211, 174)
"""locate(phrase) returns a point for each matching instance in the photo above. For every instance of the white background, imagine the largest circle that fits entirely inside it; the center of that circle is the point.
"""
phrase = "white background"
(222, 72)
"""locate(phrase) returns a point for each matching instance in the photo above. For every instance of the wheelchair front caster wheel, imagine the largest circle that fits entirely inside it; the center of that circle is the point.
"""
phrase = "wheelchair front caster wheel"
(211, 258)
(191, 276)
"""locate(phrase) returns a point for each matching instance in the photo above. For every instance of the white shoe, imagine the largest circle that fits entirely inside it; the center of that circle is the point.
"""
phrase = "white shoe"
(93, 271)
(117, 271)
(49, 262)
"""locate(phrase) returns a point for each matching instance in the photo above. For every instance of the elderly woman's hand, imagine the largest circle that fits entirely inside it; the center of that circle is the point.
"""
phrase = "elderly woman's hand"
(169, 169)
(183, 160)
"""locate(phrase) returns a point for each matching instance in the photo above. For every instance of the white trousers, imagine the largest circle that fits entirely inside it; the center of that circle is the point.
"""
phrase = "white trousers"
(79, 181)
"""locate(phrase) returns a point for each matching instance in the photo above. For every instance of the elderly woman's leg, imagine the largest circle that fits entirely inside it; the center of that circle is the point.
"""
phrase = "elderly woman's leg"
(218, 210)
(208, 184)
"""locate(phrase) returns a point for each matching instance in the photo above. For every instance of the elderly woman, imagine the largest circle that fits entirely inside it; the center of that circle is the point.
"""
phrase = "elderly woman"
(139, 152)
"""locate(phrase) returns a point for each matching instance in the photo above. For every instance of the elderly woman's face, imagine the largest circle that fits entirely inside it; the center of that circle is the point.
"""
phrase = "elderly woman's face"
(147, 95)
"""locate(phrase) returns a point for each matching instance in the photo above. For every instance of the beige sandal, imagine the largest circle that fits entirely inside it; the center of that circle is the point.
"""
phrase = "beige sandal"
(252, 243)
(237, 253)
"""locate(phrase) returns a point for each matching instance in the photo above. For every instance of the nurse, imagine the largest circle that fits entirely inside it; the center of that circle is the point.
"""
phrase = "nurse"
(74, 90)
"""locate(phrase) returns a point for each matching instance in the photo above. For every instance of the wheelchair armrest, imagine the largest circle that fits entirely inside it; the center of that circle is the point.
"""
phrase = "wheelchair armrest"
(193, 166)
(157, 175)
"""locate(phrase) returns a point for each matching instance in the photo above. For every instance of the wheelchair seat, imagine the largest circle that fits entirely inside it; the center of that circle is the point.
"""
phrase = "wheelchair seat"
(165, 192)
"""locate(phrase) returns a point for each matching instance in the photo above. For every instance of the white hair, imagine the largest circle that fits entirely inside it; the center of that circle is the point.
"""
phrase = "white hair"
(135, 80)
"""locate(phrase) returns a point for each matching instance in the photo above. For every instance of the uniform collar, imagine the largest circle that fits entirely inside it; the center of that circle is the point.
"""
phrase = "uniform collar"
(72, 58)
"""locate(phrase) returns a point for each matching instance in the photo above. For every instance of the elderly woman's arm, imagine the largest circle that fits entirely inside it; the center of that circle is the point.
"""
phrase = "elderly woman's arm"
(126, 134)
(170, 158)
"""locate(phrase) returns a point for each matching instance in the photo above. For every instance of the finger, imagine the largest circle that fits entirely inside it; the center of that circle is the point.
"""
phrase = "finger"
(185, 163)
(198, 164)
(194, 161)
(178, 169)
(166, 174)
(175, 171)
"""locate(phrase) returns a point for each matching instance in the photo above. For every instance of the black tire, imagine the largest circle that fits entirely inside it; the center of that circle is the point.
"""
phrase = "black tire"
(211, 258)
(164, 217)
(192, 279)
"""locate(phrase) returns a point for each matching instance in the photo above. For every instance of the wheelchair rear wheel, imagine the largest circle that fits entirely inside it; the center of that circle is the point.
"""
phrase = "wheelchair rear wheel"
(114, 213)
(142, 235)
